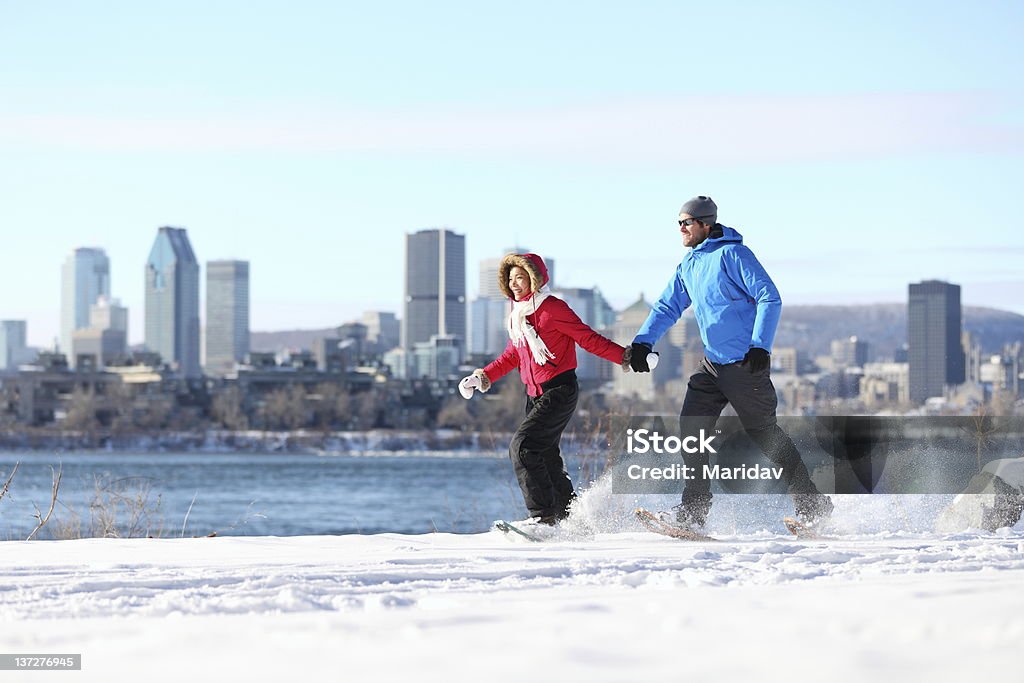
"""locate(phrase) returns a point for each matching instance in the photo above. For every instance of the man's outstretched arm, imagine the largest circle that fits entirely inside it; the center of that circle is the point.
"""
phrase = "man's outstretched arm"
(664, 312)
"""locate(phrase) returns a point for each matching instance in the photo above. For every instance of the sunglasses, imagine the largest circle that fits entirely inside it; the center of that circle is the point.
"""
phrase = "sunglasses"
(688, 222)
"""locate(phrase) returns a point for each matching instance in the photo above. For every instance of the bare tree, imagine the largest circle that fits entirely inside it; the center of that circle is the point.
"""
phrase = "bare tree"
(122, 508)
(455, 414)
(502, 410)
(53, 502)
(81, 413)
(7, 484)
(121, 401)
(228, 410)
(8, 405)
(286, 408)
(983, 426)
(155, 412)
(326, 408)
(365, 408)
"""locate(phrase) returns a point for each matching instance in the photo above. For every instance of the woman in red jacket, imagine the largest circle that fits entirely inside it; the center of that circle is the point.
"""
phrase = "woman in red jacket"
(543, 334)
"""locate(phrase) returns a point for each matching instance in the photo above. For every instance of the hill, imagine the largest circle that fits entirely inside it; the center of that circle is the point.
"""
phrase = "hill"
(809, 328)
(884, 327)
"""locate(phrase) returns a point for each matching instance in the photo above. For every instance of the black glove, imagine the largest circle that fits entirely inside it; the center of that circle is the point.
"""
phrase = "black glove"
(638, 359)
(757, 359)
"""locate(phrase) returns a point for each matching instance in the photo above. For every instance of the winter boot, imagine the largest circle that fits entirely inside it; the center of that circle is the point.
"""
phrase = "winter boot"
(691, 514)
(813, 509)
(549, 520)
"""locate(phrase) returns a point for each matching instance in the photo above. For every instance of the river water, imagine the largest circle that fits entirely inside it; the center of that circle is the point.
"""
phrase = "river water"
(174, 494)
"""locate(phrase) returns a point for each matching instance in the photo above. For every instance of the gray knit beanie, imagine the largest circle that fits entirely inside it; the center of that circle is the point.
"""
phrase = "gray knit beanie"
(703, 208)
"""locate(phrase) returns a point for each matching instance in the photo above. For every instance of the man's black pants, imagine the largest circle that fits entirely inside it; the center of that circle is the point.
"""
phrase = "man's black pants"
(535, 453)
(752, 395)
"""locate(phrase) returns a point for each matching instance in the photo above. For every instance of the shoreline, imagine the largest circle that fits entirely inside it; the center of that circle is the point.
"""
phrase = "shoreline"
(301, 442)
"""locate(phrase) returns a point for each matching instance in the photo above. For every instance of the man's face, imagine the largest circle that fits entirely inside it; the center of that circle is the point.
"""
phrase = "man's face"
(694, 232)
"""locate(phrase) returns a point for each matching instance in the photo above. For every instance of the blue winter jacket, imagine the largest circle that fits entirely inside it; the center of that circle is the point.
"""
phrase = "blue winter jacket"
(735, 302)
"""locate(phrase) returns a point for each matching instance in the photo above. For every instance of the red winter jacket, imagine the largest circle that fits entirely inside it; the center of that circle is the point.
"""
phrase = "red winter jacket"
(561, 329)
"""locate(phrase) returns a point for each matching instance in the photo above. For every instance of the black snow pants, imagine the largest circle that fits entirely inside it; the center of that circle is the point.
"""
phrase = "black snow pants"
(536, 457)
(753, 397)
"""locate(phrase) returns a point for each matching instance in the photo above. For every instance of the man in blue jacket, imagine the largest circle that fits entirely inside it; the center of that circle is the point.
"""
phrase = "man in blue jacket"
(737, 309)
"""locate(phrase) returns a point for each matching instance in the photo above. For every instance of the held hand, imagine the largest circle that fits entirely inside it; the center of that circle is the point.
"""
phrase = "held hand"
(468, 385)
(638, 357)
(757, 360)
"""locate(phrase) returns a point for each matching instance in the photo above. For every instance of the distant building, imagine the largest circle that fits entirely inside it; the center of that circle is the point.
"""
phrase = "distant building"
(172, 301)
(594, 310)
(797, 395)
(108, 314)
(849, 353)
(438, 358)
(397, 361)
(786, 361)
(933, 333)
(353, 337)
(435, 286)
(1015, 352)
(45, 394)
(972, 357)
(997, 373)
(13, 347)
(227, 315)
(94, 349)
(487, 335)
(85, 277)
(839, 383)
(885, 384)
(329, 355)
(342, 351)
(382, 330)
(639, 385)
(105, 340)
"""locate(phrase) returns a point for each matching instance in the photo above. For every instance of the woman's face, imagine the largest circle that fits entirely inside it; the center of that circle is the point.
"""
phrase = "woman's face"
(519, 282)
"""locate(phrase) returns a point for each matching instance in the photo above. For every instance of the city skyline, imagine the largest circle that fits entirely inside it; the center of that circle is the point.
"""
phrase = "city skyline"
(396, 307)
(310, 139)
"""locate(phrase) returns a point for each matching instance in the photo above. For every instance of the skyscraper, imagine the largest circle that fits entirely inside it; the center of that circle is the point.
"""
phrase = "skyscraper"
(227, 314)
(435, 286)
(172, 301)
(933, 333)
(12, 344)
(85, 277)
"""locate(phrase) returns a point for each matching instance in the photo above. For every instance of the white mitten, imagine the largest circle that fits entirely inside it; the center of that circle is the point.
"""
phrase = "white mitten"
(468, 385)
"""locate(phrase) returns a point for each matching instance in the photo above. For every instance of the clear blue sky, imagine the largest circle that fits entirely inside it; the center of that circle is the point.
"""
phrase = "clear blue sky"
(857, 147)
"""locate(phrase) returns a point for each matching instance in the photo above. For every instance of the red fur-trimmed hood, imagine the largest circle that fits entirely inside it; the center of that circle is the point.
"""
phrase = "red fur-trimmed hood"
(531, 263)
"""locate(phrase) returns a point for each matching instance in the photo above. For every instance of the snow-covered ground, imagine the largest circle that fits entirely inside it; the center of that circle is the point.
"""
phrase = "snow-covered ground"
(628, 606)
